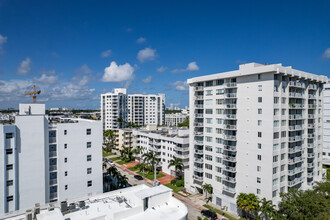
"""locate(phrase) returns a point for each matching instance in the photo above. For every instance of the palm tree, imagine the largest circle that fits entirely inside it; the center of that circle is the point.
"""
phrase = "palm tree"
(207, 189)
(122, 180)
(109, 139)
(126, 153)
(267, 208)
(177, 163)
(121, 121)
(112, 171)
(248, 203)
(137, 151)
(152, 159)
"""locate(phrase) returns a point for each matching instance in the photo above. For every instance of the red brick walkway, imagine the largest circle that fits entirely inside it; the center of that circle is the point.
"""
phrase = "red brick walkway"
(129, 165)
(165, 179)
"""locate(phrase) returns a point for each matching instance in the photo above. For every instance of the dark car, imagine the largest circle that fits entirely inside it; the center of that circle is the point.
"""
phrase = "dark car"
(138, 177)
(209, 213)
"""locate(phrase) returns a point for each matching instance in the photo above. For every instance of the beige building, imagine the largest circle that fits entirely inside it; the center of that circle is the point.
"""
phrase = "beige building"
(124, 138)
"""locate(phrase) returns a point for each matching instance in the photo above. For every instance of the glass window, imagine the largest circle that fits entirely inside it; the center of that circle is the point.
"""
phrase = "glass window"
(259, 99)
(259, 87)
(259, 111)
(88, 131)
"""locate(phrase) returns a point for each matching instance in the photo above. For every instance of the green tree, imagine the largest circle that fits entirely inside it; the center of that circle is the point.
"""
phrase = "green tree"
(248, 203)
(152, 159)
(185, 123)
(122, 180)
(126, 153)
(267, 209)
(112, 171)
(121, 122)
(207, 189)
(109, 139)
(177, 163)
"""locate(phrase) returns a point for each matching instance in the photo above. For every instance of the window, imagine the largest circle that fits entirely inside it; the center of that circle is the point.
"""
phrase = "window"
(282, 178)
(208, 157)
(274, 193)
(259, 87)
(259, 111)
(218, 179)
(258, 191)
(208, 83)
(208, 166)
(65, 146)
(209, 120)
(276, 111)
(9, 151)
(218, 169)
(220, 91)
(9, 167)
(275, 158)
(219, 82)
(282, 156)
(218, 150)
(219, 111)
(208, 148)
(259, 76)
(259, 157)
(88, 131)
(275, 147)
(276, 99)
(89, 157)
(259, 134)
(10, 198)
(219, 101)
(259, 145)
(259, 122)
(208, 175)
(283, 100)
(208, 139)
(9, 135)
(275, 169)
(283, 111)
(208, 92)
(10, 182)
(65, 160)
(66, 173)
(89, 170)
(259, 99)
(89, 144)
(282, 167)
(259, 168)
(66, 187)
(276, 135)
(276, 122)
(208, 130)
(208, 111)
(89, 183)
(258, 180)
(218, 159)
(65, 132)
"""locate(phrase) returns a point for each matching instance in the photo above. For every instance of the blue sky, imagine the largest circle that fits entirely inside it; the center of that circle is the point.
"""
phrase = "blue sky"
(75, 50)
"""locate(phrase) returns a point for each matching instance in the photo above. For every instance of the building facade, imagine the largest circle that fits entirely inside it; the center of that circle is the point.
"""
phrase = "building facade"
(255, 130)
(326, 126)
(172, 120)
(168, 143)
(45, 162)
(124, 138)
(136, 108)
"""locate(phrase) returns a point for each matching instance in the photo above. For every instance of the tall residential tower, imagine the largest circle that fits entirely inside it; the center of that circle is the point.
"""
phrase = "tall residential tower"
(255, 130)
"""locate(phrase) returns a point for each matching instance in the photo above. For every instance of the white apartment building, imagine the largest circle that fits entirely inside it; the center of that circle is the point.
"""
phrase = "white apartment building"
(167, 142)
(173, 119)
(136, 108)
(132, 203)
(326, 126)
(255, 130)
(46, 162)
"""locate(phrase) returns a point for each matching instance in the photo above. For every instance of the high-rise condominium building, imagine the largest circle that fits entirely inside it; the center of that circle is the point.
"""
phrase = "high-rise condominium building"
(167, 142)
(46, 161)
(326, 126)
(255, 130)
(136, 108)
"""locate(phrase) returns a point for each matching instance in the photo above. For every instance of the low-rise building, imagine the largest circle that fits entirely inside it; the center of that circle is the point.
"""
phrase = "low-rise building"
(124, 138)
(137, 202)
(173, 119)
(167, 142)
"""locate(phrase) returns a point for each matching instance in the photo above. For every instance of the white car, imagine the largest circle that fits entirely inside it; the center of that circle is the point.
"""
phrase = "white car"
(110, 162)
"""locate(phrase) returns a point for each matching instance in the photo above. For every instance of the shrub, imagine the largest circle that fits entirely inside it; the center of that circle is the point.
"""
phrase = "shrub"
(199, 218)
(173, 182)
(179, 183)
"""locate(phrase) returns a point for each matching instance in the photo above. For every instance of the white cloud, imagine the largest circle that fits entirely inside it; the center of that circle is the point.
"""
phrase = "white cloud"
(180, 85)
(147, 80)
(326, 54)
(106, 53)
(192, 66)
(141, 40)
(84, 69)
(161, 69)
(115, 73)
(146, 54)
(24, 67)
(3, 40)
(46, 79)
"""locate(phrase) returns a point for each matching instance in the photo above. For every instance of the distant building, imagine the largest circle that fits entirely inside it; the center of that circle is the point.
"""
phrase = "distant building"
(124, 138)
(119, 108)
(132, 203)
(326, 125)
(173, 119)
(167, 142)
(47, 160)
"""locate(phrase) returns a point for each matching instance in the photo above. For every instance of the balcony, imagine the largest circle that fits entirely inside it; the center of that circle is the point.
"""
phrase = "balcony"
(295, 171)
(230, 148)
(198, 142)
(310, 155)
(52, 182)
(295, 138)
(229, 189)
(312, 86)
(296, 127)
(295, 160)
(198, 160)
(198, 169)
(311, 116)
(182, 156)
(310, 165)
(198, 178)
(296, 84)
(230, 127)
(312, 106)
(229, 179)
(199, 97)
(230, 106)
(311, 125)
(230, 116)
(310, 175)
(310, 145)
(229, 169)
(199, 116)
(230, 137)
(199, 152)
(230, 95)
(296, 106)
(230, 85)
(229, 158)
(181, 148)
(311, 96)
(295, 181)
(52, 154)
(53, 168)
(296, 95)
(296, 117)
(198, 124)
(199, 106)
(52, 140)
(295, 149)
(199, 88)
(198, 133)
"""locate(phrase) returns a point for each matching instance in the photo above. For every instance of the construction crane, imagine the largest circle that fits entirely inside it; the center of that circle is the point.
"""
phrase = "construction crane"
(34, 93)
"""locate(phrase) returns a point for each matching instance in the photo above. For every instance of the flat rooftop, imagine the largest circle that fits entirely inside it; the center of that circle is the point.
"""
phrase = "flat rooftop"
(137, 202)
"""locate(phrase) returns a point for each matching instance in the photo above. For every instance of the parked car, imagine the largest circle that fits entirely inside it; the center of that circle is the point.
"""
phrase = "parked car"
(138, 177)
(209, 213)
(110, 162)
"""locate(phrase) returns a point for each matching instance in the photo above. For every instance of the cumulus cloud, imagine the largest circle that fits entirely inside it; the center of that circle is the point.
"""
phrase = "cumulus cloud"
(106, 53)
(141, 40)
(24, 67)
(192, 66)
(47, 78)
(326, 54)
(3, 40)
(147, 80)
(180, 85)
(146, 54)
(161, 69)
(84, 69)
(118, 73)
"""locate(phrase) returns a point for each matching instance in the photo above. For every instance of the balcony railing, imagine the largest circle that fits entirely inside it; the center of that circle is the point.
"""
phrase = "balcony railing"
(52, 154)
(53, 195)
(230, 169)
(296, 84)
(310, 155)
(199, 88)
(295, 117)
(311, 96)
(230, 148)
(199, 160)
(295, 149)
(312, 86)
(229, 189)
(53, 168)
(310, 175)
(229, 85)
(295, 106)
(199, 151)
(198, 169)
(295, 181)
(230, 127)
(230, 137)
(311, 116)
(230, 106)
(52, 182)
(311, 106)
(296, 95)
(295, 160)
(295, 171)
(200, 106)
(310, 145)
(199, 124)
(199, 178)
(229, 179)
(199, 115)
(229, 158)
(310, 165)
(230, 116)
(230, 95)
(198, 133)
(199, 97)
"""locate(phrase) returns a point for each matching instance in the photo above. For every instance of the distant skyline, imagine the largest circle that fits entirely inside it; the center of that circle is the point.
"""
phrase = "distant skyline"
(75, 50)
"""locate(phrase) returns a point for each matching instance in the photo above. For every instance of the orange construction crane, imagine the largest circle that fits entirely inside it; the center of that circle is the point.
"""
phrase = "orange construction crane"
(34, 93)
